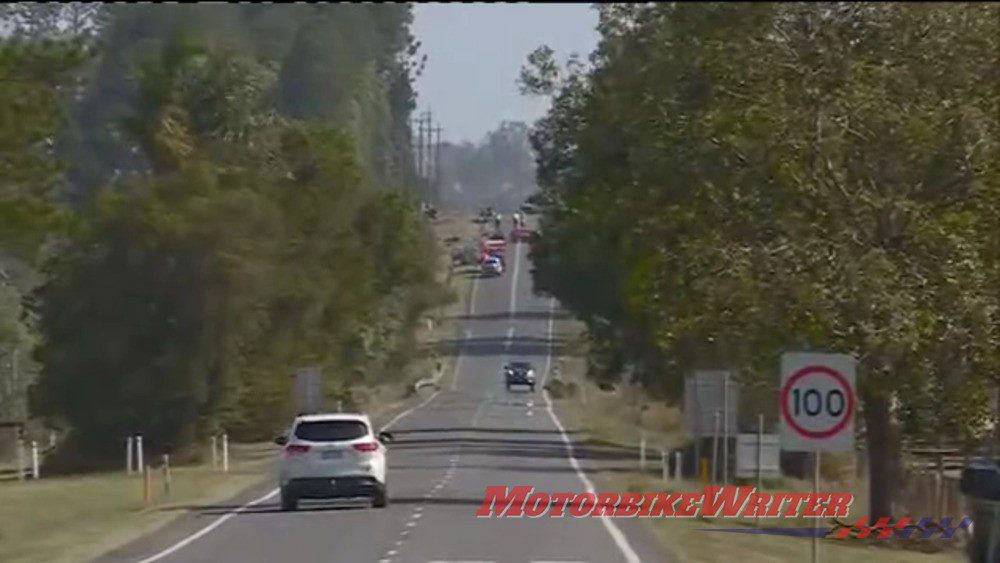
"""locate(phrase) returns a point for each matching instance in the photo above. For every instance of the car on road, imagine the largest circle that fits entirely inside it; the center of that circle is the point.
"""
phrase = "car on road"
(336, 455)
(519, 373)
(492, 266)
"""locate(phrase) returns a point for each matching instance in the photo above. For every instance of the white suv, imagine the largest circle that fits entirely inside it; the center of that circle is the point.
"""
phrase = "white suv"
(332, 456)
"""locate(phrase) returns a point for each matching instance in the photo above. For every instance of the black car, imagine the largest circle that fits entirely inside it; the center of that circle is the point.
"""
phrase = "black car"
(519, 373)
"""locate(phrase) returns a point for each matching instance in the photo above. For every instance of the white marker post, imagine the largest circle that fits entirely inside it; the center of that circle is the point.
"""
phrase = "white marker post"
(35, 474)
(139, 464)
(815, 542)
(715, 449)
(725, 429)
(664, 465)
(166, 475)
(678, 467)
(225, 452)
(128, 455)
(817, 408)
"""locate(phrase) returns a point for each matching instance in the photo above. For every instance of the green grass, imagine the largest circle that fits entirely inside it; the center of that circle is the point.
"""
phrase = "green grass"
(611, 418)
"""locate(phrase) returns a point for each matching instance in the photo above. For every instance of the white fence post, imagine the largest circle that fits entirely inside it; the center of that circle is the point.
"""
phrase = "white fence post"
(20, 459)
(35, 474)
(166, 475)
(225, 452)
(139, 463)
(128, 455)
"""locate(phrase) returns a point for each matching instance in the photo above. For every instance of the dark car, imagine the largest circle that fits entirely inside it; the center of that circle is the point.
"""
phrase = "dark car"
(519, 373)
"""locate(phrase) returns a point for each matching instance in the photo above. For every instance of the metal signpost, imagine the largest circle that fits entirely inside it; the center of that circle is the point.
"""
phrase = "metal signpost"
(308, 389)
(708, 394)
(817, 408)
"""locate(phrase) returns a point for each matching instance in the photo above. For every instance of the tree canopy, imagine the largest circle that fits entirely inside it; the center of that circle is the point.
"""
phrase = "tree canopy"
(730, 181)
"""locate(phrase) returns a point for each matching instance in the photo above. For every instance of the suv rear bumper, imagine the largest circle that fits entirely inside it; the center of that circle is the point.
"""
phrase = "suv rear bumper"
(333, 487)
(519, 381)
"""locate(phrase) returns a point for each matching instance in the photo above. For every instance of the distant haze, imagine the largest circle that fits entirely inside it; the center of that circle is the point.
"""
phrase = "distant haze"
(475, 52)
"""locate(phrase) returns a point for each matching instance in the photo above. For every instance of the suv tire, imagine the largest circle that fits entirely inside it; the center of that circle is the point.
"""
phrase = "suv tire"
(381, 498)
(288, 500)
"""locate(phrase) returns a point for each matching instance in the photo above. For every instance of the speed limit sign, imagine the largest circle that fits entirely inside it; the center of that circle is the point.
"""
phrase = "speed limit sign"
(817, 402)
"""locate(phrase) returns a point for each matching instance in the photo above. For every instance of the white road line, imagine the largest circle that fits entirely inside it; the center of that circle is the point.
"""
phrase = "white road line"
(204, 531)
(548, 354)
(396, 418)
(510, 338)
(467, 334)
(222, 519)
(616, 534)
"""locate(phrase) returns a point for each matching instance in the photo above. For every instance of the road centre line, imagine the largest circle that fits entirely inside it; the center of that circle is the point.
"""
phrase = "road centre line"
(191, 538)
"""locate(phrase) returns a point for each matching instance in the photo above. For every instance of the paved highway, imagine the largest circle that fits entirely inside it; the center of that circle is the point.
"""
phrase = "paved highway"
(447, 450)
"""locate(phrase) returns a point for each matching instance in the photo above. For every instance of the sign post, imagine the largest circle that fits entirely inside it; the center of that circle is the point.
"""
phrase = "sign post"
(817, 408)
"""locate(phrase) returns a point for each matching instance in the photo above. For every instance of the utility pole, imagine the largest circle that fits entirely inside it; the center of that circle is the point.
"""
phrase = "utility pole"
(420, 146)
(437, 163)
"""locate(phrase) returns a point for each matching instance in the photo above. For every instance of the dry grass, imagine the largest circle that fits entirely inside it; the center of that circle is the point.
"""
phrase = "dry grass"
(612, 417)
(77, 518)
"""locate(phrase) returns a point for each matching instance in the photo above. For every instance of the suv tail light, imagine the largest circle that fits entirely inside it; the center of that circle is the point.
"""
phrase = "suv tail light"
(366, 446)
(295, 449)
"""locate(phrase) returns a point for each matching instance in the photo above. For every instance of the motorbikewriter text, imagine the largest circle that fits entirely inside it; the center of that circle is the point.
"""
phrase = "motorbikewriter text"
(713, 502)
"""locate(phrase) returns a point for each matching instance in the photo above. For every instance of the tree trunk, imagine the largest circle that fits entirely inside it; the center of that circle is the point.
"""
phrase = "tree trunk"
(883, 454)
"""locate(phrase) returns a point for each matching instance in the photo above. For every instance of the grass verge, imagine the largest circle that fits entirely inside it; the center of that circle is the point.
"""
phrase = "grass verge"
(611, 418)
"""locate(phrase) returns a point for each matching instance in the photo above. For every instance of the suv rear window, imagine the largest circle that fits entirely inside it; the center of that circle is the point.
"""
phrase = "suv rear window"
(330, 430)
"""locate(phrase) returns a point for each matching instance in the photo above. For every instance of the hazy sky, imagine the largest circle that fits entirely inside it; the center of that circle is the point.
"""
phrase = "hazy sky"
(474, 53)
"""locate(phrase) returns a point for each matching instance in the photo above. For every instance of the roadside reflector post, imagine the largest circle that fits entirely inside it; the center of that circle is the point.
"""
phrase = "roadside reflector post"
(704, 471)
(760, 457)
(642, 451)
(140, 462)
(760, 451)
(678, 460)
(340, 406)
(725, 429)
(815, 539)
(225, 452)
(664, 465)
(128, 455)
(715, 449)
(166, 475)
(34, 460)
(20, 459)
(215, 452)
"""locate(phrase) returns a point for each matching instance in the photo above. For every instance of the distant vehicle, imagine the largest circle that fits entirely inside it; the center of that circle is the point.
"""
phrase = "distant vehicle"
(519, 373)
(529, 209)
(493, 266)
(494, 244)
(332, 456)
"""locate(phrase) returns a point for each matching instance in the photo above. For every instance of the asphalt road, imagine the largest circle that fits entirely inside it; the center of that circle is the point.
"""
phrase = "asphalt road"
(447, 450)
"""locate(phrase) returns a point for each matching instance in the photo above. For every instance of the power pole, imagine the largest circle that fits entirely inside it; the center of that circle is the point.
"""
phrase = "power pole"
(437, 162)
(420, 147)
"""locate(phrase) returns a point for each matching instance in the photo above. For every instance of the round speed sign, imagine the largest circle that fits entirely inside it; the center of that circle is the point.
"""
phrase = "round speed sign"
(817, 402)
